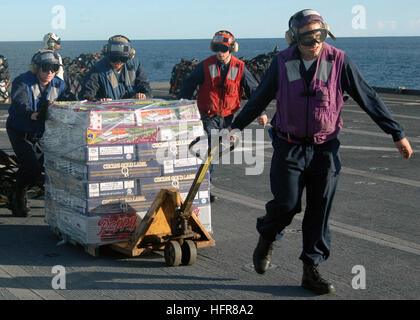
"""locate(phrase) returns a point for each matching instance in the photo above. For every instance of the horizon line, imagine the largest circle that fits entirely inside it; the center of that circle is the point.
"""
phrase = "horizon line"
(246, 38)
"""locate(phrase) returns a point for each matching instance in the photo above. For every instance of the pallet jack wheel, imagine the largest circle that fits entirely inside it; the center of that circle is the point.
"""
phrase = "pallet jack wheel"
(189, 253)
(173, 254)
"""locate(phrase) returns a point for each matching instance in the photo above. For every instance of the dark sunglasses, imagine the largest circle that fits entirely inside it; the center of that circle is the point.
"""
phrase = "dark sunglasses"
(118, 59)
(309, 38)
(220, 47)
(46, 66)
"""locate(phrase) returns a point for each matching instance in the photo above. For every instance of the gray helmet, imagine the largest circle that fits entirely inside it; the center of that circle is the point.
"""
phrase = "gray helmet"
(46, 56)
(299, 19)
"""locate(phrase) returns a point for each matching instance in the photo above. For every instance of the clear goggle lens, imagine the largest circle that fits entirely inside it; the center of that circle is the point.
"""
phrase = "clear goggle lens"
(311, 37)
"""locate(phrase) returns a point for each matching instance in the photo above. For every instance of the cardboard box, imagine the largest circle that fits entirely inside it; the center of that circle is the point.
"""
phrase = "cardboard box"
(102, 206)
(90, 153)
(87, 190)
(179, 166)
(202, 197)
(203, 213)
(106, 119)
(182, 182)
(123, 135)
(117, 205)
(123, 170)
(111, 189)
(180, 131)
(165, 150)
(170, 111)
(145, 134)
(105, 171)
(98, 230)
(110, 153)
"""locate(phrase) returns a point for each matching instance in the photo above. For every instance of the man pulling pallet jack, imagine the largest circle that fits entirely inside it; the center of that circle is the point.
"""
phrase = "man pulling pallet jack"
(309, 80)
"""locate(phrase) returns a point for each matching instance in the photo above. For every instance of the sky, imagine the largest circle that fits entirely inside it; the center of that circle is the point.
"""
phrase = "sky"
(24, 20)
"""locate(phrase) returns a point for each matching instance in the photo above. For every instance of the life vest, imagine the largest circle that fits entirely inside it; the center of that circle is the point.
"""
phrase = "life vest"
(215, 97)
(117, 86)
(309, 111)
(34, 129)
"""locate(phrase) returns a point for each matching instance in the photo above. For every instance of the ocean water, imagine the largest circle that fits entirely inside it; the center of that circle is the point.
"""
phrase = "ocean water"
(384, 61)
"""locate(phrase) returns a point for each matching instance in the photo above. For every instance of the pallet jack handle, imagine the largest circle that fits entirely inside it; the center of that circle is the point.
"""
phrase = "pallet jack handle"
(218, 149)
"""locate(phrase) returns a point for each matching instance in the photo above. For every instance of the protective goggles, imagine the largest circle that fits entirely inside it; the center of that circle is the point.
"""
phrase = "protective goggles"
(309, 38)
(220, 47)
(53, 67)
(115, 59)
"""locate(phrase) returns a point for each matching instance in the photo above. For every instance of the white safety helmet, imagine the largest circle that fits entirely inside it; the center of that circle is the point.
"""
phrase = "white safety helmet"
(50, 40)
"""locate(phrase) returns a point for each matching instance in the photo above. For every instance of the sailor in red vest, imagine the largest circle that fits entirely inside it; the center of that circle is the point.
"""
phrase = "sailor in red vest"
(222, 80)
(308, 81)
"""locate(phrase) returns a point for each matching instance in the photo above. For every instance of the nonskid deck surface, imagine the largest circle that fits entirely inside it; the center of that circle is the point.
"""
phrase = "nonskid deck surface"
(374, 223)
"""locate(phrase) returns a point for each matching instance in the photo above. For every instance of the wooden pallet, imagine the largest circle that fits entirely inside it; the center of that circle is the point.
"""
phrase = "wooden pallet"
(90, 249)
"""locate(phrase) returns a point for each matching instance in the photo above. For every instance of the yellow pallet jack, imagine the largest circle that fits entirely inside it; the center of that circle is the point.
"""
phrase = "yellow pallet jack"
(169, 224)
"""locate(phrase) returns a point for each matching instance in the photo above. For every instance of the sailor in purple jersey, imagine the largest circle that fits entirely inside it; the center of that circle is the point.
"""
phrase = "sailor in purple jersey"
(308, 80)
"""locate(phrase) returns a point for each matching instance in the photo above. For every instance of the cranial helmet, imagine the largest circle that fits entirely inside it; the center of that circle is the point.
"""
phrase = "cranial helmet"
(301, 18)
(44, 57)
(225, 38)
(48, 56)
(119, 46)
(50, 40)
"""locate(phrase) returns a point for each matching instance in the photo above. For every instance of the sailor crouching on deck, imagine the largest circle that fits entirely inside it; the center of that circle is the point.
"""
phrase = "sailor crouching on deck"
(32, 92)
(118, 75)
(308, 81)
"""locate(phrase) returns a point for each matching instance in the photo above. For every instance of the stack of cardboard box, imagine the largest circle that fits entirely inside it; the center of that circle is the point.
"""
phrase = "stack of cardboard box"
(106, 162)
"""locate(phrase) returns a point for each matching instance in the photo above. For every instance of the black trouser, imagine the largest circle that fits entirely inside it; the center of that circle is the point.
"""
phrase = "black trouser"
(30, 167)
(293, 168)
(215, 123)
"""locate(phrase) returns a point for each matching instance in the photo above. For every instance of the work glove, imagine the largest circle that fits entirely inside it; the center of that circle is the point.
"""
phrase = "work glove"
(43, 110)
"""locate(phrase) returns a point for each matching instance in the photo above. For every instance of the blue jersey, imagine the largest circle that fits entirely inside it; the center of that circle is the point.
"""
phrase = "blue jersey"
(104, 82)
(27, 98)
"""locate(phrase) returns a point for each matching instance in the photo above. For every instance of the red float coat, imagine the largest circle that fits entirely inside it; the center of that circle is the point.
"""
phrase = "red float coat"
(215, 97)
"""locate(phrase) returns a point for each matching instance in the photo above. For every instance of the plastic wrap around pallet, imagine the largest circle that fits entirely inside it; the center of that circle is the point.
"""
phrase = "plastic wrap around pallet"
(72, 127)
(104, 115)
(106, 162)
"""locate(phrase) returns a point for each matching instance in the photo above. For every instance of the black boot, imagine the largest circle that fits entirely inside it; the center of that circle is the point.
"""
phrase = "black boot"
(313, 281)
(262, 255)
(18, 202)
